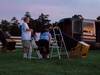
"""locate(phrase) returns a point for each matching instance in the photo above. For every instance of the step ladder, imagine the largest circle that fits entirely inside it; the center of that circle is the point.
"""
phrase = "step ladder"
(58, 44)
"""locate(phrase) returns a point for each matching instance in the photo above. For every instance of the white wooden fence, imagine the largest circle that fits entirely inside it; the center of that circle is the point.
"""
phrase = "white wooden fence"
(17, 39)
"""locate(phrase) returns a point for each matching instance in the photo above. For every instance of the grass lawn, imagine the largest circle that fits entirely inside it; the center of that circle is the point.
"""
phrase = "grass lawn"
(14, 64)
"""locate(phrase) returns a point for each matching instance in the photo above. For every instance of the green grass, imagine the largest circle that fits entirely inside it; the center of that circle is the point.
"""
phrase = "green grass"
(14, 64)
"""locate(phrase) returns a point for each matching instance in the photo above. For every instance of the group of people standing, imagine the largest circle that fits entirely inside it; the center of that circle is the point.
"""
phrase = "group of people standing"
(42, 40)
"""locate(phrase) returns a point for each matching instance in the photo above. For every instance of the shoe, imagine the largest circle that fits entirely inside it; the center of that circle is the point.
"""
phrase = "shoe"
(39, 55)
(30, 58)
(25, 55)
(48, 56)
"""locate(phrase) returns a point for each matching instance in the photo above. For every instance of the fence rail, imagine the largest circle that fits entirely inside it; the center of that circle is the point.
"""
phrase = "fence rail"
(17, 39)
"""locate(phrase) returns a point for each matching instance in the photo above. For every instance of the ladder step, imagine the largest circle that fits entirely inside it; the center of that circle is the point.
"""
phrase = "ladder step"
(59, 43)
(57, 34)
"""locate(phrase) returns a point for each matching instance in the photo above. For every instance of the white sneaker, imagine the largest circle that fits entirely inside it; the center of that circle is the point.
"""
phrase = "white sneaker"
(48, 56)
(39, 55)
(25, 55)
(30, 53)
(30, 57)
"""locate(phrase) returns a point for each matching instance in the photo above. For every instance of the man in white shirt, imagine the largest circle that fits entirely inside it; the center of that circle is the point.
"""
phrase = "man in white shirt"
(26, 38)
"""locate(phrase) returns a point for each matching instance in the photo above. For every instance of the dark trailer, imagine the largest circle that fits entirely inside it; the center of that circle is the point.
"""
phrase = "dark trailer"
(82, 30)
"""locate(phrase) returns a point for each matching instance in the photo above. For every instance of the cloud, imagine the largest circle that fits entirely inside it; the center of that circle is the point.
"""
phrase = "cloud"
(56, 8)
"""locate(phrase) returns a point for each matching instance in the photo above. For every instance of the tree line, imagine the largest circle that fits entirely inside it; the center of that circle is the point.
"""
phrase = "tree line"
(36, 24)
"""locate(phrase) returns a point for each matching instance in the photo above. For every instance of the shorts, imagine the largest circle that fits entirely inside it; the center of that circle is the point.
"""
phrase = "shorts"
(26, 43)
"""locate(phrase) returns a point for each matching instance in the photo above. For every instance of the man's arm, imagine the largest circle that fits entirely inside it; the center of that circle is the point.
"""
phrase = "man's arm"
(29, 30)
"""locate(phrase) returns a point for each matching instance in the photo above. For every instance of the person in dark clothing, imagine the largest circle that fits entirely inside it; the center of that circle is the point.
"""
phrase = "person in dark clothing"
(45, 38)
(3, 39)
(6, 44)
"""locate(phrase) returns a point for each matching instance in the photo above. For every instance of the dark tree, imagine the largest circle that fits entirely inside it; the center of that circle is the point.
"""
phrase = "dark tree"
(79, 17)
(13, 29)
(98, 18)
(5, 25)
(38, 24)
(43, 21)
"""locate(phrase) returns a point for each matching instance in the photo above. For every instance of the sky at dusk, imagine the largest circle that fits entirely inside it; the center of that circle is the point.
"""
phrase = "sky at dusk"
(57, 9)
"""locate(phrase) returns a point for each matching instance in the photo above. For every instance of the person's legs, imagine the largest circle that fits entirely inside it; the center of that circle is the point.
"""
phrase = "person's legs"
(46, 48)
(25, 52)
(30, 50)
(37, 50)
(26, 47)
(3, 41)
(41, 48)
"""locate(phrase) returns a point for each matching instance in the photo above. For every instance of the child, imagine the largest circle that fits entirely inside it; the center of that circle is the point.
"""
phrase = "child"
(45, 38)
